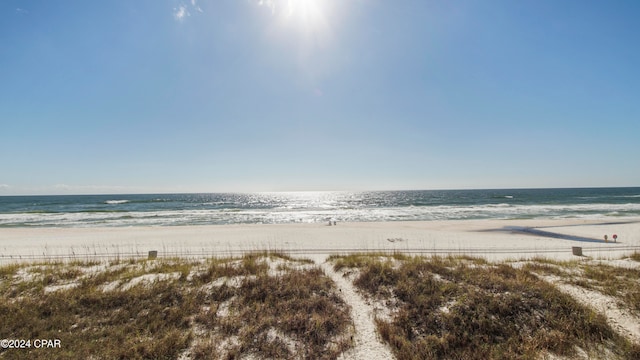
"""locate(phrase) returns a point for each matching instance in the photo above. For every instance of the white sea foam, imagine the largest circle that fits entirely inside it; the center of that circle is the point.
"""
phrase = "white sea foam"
(116, 202)
(318, 214)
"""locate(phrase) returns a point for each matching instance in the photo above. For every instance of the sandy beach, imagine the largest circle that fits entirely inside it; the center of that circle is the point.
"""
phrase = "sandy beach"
(492, 239)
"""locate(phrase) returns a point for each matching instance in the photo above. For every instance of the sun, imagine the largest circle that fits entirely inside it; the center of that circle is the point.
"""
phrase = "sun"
(306, 11)
(306, 15)
(309, 17)
(307, 20)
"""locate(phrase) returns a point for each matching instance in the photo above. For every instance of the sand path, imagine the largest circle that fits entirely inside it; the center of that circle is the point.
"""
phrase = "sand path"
(367, 344)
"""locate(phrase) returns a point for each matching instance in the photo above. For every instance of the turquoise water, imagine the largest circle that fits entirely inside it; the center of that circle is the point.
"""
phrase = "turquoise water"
(315, 207)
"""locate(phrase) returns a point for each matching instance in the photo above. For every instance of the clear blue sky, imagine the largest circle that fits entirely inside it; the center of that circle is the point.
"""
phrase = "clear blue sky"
(257, 95)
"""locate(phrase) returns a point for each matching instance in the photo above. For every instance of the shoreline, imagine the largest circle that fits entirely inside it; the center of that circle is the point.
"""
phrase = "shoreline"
(491, 239)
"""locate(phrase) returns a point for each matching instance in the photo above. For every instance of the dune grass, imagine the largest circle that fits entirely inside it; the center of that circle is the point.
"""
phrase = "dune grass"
(465, 308)
(168, 308)
(618, 282)
(142, 322)
(270, 305)
(297, 314)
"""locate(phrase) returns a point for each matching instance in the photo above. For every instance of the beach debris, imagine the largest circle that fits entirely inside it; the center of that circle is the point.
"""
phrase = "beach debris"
(615, 238)
(395, 240)
(606, 238)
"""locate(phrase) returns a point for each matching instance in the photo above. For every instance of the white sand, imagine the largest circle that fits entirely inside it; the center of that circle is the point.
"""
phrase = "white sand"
(472, 237)
(367, 343)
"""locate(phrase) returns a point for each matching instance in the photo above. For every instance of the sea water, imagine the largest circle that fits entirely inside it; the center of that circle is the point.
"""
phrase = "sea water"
(315, 207)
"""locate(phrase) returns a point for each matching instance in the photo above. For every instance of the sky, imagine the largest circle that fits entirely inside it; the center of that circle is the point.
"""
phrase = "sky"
(147, 96)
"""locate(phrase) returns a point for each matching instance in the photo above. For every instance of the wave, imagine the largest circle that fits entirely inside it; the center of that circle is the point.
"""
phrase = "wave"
(93, 213)
(269, 216)
(500, 196)
(116, 202)
(502, 205)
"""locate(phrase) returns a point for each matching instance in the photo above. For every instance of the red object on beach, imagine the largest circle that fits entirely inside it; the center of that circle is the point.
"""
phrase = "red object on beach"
(615, 236)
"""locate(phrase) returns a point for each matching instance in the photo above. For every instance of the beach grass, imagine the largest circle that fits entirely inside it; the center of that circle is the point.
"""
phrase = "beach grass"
(164, 309)
(621, 283)
(272, 305)
(465, 308)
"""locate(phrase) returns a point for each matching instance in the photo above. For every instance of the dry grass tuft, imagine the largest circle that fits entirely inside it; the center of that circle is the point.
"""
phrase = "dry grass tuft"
(465, 309)
(193, 315)
(618, 282)
(301, 306)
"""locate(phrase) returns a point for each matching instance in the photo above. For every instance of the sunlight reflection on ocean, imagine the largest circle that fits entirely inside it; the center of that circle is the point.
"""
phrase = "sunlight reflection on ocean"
(315, 207)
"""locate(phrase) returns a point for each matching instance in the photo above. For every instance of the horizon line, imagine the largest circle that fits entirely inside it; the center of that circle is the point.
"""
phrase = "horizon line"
(316, 191)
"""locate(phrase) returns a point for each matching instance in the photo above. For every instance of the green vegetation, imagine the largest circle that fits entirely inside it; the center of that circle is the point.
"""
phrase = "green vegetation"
(464, 308)
(8, 271)
(163, 309)
(356, 260)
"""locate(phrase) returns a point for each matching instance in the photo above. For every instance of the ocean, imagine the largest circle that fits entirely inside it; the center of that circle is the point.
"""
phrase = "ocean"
(315, 207)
